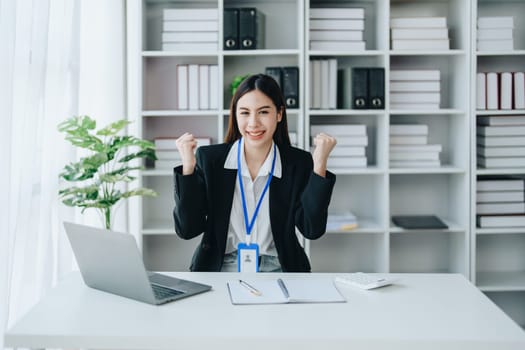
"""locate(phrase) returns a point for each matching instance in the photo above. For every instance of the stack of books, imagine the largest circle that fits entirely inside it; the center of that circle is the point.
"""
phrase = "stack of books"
(167, 153)
(500, 90)
(336, 29)
(500, 202)
(415, 89)
(501, 141)
(323, 84)
(419, 33)
(351, 143)
(190, 29)
(409, 148)
(495, 33)
(197, 86)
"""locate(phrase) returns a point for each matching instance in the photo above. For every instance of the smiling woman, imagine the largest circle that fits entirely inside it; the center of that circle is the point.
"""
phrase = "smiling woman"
(250, 193)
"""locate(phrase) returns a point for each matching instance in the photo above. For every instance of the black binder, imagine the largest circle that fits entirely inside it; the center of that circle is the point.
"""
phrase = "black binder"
(344, 88)
(360, 88)
(290, 86)
(376, 88)
(231, 29)
(418, 222)
(275, 73)
(251, 29)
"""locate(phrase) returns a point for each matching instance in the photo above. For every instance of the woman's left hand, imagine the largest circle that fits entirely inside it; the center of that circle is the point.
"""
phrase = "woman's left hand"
(324, 144)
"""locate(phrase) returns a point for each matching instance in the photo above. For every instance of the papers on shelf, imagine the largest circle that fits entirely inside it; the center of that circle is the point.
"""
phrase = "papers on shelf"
(341, 222)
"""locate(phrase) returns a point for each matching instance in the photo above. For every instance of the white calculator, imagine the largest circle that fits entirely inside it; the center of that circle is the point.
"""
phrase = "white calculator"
(363, 280)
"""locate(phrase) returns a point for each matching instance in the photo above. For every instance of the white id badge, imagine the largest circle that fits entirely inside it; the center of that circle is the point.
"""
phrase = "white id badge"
(247, 257)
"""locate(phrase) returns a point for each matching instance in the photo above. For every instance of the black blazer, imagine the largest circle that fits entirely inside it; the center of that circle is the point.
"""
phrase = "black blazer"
(203, 203)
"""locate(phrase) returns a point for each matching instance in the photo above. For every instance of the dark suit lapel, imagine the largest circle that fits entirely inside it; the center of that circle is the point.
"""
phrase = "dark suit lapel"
(280, 198)
(225, 200)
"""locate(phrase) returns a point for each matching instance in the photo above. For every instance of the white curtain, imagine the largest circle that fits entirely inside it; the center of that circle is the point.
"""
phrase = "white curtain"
(39, 57)
(58, 58)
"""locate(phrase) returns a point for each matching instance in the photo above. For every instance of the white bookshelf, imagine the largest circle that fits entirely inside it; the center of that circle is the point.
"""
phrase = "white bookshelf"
(490, 258)
(497, 259)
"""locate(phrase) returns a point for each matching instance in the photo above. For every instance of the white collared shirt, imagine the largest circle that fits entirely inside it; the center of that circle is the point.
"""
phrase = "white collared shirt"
(262, 230)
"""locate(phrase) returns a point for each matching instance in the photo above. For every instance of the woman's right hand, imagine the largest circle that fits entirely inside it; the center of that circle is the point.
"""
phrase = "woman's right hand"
(186, 144)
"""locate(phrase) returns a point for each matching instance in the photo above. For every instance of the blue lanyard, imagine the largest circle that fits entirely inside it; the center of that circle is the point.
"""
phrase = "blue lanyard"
(249, 225)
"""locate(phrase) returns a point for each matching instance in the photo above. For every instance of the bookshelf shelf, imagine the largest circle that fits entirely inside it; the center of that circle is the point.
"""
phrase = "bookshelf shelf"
(499, 171)
(156, 53)
(373, 193)
(345, 112)
(441, 170)
(501, 281)
(501, 112)
(428, 53)
(346, 53)
(500, 231)
(501, 53)
(442, 111)
(358, 171)
(245, 53)
(179, 113)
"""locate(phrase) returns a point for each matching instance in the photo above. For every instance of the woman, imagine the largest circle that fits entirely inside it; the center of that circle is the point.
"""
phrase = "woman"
(255, 209)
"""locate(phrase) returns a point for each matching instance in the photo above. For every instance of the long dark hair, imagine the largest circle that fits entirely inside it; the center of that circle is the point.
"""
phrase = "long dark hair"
(268, 86)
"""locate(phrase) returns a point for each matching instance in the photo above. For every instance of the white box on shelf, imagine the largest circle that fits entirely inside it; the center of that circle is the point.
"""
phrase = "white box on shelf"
(337, 45)
(336, 35)
(501, 140)
(408, 129)
(190, 26)
(496, 22)
(414, 75)
(495, 34)
(186, 14)
(182, 86)
(492, 90)
(419, 33)
(337, 24)
(481, 91)
(193, 37)
(421, 44)
(415, 86)
(337, 13)
(501, 120)
(519, 90)
(495, 45)
(418, 22)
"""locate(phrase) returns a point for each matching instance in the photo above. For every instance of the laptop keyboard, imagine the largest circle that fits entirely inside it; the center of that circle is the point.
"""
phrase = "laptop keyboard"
(163, 292)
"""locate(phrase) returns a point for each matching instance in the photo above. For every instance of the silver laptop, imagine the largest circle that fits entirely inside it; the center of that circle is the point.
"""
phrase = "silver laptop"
(110, 261)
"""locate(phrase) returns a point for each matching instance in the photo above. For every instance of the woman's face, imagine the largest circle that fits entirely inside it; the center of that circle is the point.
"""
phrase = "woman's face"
(257, 118)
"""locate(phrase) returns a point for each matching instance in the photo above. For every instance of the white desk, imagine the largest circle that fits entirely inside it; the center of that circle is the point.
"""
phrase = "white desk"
(422, 311)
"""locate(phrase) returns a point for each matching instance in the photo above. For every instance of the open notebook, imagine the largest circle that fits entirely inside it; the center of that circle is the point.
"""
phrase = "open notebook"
(271, 291)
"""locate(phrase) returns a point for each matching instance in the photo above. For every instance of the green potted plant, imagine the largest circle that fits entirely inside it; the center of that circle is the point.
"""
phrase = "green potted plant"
(237, 80)
(99, 179)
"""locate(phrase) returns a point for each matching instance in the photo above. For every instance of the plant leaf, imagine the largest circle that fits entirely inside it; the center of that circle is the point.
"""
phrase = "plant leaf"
(113, 128)
(140, 191)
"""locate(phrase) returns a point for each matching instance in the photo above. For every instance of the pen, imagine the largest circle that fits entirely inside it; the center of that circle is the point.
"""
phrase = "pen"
(283, 288)
(250, 288)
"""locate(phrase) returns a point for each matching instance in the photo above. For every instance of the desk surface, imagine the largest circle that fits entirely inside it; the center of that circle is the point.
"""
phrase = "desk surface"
(421, 311)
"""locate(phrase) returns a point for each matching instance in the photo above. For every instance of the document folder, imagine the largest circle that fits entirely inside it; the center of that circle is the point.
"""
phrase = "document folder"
(231, 29)
(376, 88)
(271, 291)
(290, 87)
(359, 88)
(251, 29)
